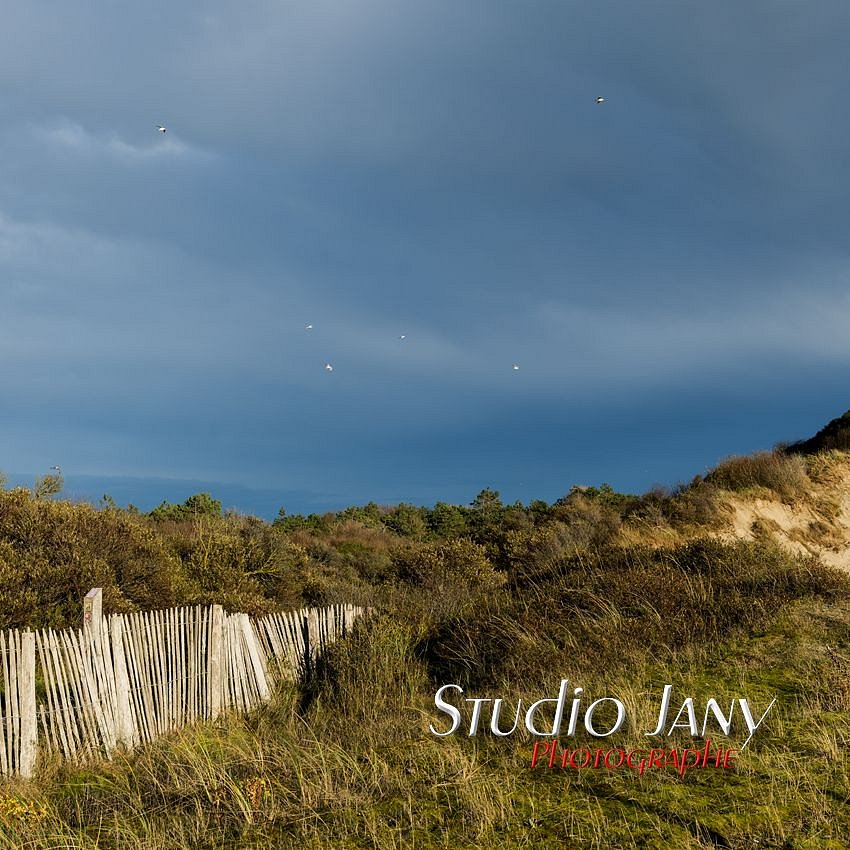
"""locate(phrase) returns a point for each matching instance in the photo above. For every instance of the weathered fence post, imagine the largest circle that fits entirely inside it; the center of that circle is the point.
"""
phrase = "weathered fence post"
(125, 731)
(93, 613)
(214, 660)
(26, 703)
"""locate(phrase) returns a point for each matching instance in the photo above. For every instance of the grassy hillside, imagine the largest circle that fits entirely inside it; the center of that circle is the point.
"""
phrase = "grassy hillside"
(620, 594)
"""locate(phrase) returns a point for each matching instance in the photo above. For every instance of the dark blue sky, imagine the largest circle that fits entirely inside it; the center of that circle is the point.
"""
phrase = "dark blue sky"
(671, 269)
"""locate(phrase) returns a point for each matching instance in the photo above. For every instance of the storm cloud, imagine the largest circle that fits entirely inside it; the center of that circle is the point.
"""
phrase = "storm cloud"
(670, 269)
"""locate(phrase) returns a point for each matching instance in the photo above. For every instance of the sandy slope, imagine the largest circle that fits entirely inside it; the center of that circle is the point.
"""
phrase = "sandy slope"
(817, 523)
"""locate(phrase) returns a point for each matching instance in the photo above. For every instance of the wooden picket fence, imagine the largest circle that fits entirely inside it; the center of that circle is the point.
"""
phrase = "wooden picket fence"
(129, 678)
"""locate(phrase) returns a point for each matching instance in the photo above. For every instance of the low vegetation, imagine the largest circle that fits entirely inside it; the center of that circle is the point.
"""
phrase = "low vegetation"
(619, 593)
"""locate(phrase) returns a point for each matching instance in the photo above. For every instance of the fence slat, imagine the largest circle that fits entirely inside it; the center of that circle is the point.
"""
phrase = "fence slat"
(124, 728)
(26, 694)
(6, 748)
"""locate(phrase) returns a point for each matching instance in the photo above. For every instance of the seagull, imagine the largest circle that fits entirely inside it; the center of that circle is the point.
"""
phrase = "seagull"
(516, 367)
(403, 336)
(161, 129)
(328, 367)
(308, 327)
(58, 469)
(600, 100)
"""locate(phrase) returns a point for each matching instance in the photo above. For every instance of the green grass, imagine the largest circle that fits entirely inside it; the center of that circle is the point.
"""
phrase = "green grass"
(356, 766)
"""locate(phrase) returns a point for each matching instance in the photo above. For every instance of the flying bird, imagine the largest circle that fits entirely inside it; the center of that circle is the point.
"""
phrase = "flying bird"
(600, 100)
(308, 327)
(58, 469)
(161, 129)
(403, 336)
(516, 367)
(328, 367)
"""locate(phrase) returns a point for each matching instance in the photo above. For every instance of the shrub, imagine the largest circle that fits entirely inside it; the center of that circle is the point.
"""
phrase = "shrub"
(784, 474)
(451, 576)
(610, 610)
(53, 553)
(591, 522)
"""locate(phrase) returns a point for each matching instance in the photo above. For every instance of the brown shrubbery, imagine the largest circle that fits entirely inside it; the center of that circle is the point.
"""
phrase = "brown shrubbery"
(502, 600)
(784, 474)
(53, 553)
(440, 562)
(608, 610)
(447, 580)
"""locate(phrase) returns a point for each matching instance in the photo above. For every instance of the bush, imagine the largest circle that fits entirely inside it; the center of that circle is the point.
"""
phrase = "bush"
(241, 563)
(451, 577)
(784, 474)
(591, 522)
(53, 553)
(610, 610)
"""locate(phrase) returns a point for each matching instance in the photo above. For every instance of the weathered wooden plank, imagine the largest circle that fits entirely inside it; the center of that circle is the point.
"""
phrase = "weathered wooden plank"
(180, 642)
(125, 732)
(51, 715)
(255, 658)
(14, 666)
(133, 641)
(133, 685)
(215, 662)
(202, 671)
(100, 727)
(26, 695)
(6, 749)
(191, 644)
(64, 696)
(149, 621)
(98, 656)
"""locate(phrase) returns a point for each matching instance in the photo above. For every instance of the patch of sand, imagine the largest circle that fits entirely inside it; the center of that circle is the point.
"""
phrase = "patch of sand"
(818, 523)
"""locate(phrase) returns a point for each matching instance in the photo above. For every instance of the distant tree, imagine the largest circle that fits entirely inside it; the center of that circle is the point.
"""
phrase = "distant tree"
(515, 517)
(48, 485)
(199, 505)
(295, 522)
(288, 522)
(165, 511)
(369, 515)
(203, 504)
(406, 520)
(107, 502)
(486, 512)
(487, 501)
(448, 521)
(540, 511)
